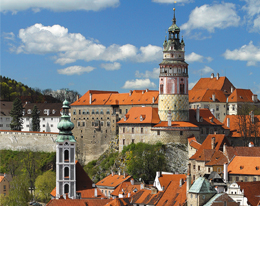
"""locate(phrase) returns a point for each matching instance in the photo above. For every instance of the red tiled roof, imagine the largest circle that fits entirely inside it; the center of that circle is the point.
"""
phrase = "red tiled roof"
(113, 181)
(222, 83)
(218, 158)
(78, 202)
(119, 202)
(178, 124)
(165, 179)
(242, 151)
(1, 178)
(244, 165)
(145, 197)
(251, 191)
(137, 97)
(125, 188)
(141, 115)
(205, 95)
(241, 95)
(174, 194)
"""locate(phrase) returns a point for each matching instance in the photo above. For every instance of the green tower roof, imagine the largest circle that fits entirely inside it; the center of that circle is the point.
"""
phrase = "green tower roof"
(202, 185)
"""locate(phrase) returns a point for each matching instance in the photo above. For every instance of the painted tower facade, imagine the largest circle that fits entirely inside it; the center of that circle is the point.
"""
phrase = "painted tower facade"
(173, 79)
(65, 156)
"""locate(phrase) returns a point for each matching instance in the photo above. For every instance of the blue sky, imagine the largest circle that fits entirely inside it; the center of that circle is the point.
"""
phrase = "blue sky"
(117, 44)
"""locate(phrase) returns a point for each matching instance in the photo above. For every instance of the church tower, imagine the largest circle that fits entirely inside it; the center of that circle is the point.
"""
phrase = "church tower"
(65, 156)
(173, 79)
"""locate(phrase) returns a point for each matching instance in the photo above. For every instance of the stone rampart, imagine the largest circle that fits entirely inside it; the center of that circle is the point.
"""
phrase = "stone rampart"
(34, 141)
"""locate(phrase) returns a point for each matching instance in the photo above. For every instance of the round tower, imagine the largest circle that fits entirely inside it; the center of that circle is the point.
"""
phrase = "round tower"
(173, 79)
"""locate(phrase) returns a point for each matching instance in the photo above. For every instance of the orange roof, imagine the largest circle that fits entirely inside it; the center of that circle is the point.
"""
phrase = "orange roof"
(206, 118)
(141, 115)
(125, 188)
(136, 97)
(145, 197)
(1, 178)
(205, 152)
(193, 142)
(78, 202)
(165, 179)
(222, 83)
(241, 95)
(113, 180)
(178, 124)
(242, 151)
(251, 191)
(119, 202)
(235, 121)
(83, 185)
(244, 165)
(218, 158)
(205, 95)
(174, 195)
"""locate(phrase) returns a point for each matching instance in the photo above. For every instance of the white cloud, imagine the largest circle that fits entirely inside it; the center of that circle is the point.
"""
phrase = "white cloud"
(249, 53)
(192, 84)
(210, 17)
(56, 5)
(9, 36)
(139, 84)
(172, 1)
(194, 57)
(75, 70)
(111, 66)
(148, 74)
(70, 47)
(257, 23)
(205, 70)
(252, 7)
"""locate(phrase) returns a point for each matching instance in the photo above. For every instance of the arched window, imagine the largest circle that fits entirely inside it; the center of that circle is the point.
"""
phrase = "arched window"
(66, 172)
(66, 188)
(181, 88)
(66, 155)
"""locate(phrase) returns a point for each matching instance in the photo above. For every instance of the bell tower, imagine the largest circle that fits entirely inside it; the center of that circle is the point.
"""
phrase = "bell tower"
(173, 79)
(65, 156)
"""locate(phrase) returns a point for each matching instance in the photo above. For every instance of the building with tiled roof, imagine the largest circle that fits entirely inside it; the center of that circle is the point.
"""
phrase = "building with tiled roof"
(244, 168)
(220, 96)
(209, 157)
(5, 117)
(146, 197)
(251, 191)
(238, 194)
(221, 199)
(4, 185)
(193, 145)
(49, 115)
(111, 182)
(96, 113)
(126, 189)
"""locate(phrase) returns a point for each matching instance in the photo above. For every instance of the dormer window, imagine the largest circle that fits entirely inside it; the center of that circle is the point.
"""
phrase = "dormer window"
(241, 167)
(29, 111)
(53, 111)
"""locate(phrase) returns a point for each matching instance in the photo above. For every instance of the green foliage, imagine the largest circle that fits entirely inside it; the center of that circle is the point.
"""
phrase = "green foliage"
(18, 193)
(35, 119)
(143, 160)
(44, 184)
(17, 115)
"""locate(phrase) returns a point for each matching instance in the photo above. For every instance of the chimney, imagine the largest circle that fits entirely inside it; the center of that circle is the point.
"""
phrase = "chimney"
(213, 97)
(232, 89)
(252, 117)
(130, 92)
(90, 98)
(77, 97)
(142, 91)
(198, 114)
(95, 192)
(132, 181)
(225, 172)
(224, 148)
(129, 194)
(212, 110)
(153, 100)
(124, 175)
(181, 182)
(112, 173)
(158, 174)
(141, 186)
(119, 173)
(217, 76)
(254, 98)
(251, 144)
(188, 182)
(169, 118)
(228, 122)
(4, 174)
(212, 142)
(147, 90)
(212, 75)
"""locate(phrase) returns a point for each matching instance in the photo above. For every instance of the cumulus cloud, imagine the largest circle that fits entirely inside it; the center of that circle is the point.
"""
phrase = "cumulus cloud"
(257, 23)
(111, 66)
(249, 53)
(154, 74)
(210, 17)
(205, 70)
(70, 47)
(139, 84)
(194, 57)
(172, 1)
(75, 70)
(252, 7)
(56, 5)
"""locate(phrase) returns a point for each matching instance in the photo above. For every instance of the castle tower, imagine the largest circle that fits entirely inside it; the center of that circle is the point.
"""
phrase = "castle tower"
(173, 79)
(65, 156)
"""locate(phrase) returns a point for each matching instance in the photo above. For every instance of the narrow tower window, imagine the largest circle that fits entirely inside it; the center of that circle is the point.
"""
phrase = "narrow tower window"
(66, 155)
(66, 172)
(66, 188)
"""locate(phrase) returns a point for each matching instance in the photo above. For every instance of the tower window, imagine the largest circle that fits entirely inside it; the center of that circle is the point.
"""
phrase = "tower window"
(66, 172)
(66, 155)
(66, 188)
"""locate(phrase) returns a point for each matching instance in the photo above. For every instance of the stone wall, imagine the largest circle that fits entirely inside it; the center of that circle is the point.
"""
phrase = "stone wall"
(34, 141)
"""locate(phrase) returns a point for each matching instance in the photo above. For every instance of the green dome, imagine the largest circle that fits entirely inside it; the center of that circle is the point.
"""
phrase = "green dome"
(66, 104)
(65, 124)
(173, 28)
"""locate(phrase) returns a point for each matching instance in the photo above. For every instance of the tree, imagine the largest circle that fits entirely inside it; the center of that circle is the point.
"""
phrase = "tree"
(35, 119)
(44, 184)
(17, 115)
(18, 194)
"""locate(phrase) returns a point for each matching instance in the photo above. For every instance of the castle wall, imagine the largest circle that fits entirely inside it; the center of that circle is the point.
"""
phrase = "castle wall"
(34, 141)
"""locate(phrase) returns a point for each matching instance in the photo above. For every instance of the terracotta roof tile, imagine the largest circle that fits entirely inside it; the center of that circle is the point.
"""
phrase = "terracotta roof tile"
(242, 151)
(178, 124)
(218, 158)
(113, 180)
(145, 197)
(241, 95)
(126, 188)
(244, 165)
(205, 95)
(78, 202)
(141, 115)
(165, 179)
(251, 191)
(119, 202)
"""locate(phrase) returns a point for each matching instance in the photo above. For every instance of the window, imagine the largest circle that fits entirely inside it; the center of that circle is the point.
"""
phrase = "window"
(254, 179)
(181, 132)
(83, 123)
(108, 112)
(79, 112)
(133, 130)
(52, 119)
(198, 168)
(133, 141)
(51, 125)
(194, 167)
(74, 112)
(142, 130)
(126, 111)
(217, 107)
(66, 188)
(208, 169)
(237, 178)
(123, 130)
(97, 112)
(101, 112)
(203, 197)
(93, 112)
(43, 125)
(158, 132)
(78, 123)
(66, 155)
(108, 123)
(245, 178)
(120, 111)
(123, 141)
(4, 187)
